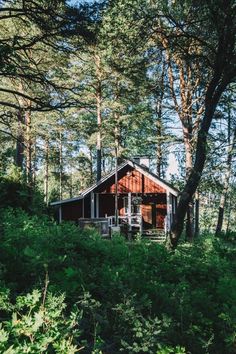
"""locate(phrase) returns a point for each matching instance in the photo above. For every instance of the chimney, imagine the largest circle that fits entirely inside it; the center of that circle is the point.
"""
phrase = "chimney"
(143, 161)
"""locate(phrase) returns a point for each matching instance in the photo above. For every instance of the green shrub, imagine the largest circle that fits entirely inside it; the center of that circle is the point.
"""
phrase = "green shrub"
(135, 297)
(34, 324)
(15, 192)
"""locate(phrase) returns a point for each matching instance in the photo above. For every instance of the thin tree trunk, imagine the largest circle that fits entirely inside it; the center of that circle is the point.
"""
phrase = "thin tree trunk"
(196, 227)
(34, 162)
(117, 155)
(159, 104)
(159, 147)
(190, 223)
(60, 166)
(91, 166)
(19, 157)
(188, 169)
(229, 215)
(226, 187)
(46, 171)
(71, 180)
(28, 147)
(99, 117)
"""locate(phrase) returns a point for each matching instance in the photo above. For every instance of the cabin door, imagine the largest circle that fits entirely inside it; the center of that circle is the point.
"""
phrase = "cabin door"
(154, 215)
(149, 214)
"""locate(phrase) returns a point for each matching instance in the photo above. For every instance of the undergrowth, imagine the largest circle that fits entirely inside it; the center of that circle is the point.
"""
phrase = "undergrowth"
(64, 291)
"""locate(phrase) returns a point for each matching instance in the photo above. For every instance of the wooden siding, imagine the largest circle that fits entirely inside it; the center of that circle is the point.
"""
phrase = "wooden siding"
(72, 211)
(130, 180)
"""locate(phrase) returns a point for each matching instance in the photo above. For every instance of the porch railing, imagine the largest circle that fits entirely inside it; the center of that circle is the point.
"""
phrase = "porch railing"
(129, 220)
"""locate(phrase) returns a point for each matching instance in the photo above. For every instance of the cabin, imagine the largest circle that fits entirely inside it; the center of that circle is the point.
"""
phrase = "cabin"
(131, 198)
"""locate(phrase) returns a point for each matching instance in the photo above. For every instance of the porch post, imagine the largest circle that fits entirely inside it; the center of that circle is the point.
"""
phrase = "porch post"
(92, 205)
(97, 205)
(60, 214)
(129, 208)
(171, 208)
(168, 221)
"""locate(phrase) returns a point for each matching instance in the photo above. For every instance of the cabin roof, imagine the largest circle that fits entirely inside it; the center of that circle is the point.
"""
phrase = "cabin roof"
(142, 169)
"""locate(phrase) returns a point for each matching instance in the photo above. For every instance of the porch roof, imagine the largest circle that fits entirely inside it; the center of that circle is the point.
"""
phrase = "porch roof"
(130, 163)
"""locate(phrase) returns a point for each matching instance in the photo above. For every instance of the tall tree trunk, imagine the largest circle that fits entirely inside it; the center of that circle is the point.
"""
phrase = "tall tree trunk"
(116, 133)
(229, 215)
(46, 171)
(159, 104)
(29, 144)
(91, 165)
(188, 168)
(34, 167)
(99, 116)
(60, 166)
(71, 180)
(213, 94)
(196, 226)
(226, 186)
(183, 108)
(19, 157)
(159, 147)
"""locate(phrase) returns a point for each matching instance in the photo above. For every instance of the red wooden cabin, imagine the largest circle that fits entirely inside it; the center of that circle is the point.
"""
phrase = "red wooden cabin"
(144, 201)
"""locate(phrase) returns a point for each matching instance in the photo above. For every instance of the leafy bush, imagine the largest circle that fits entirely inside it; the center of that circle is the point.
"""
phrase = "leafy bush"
(135, 297)
(36, 325)
(15, 192)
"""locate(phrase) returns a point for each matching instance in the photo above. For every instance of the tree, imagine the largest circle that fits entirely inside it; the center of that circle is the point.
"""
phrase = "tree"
(218, 23)
(231, 141)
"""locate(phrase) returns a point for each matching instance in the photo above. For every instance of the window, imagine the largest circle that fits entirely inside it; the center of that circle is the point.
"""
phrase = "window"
(126, 205)
(135, 207)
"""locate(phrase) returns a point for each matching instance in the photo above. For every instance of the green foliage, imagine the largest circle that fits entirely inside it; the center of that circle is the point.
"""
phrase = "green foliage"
(135, 297)
(15, 192)
(32, 325)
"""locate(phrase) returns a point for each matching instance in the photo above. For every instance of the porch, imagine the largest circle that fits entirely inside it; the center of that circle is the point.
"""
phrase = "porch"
(132, 225)
(147, 214)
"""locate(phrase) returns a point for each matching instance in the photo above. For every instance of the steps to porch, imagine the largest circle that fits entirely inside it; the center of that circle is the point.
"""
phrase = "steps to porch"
(155, 235)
